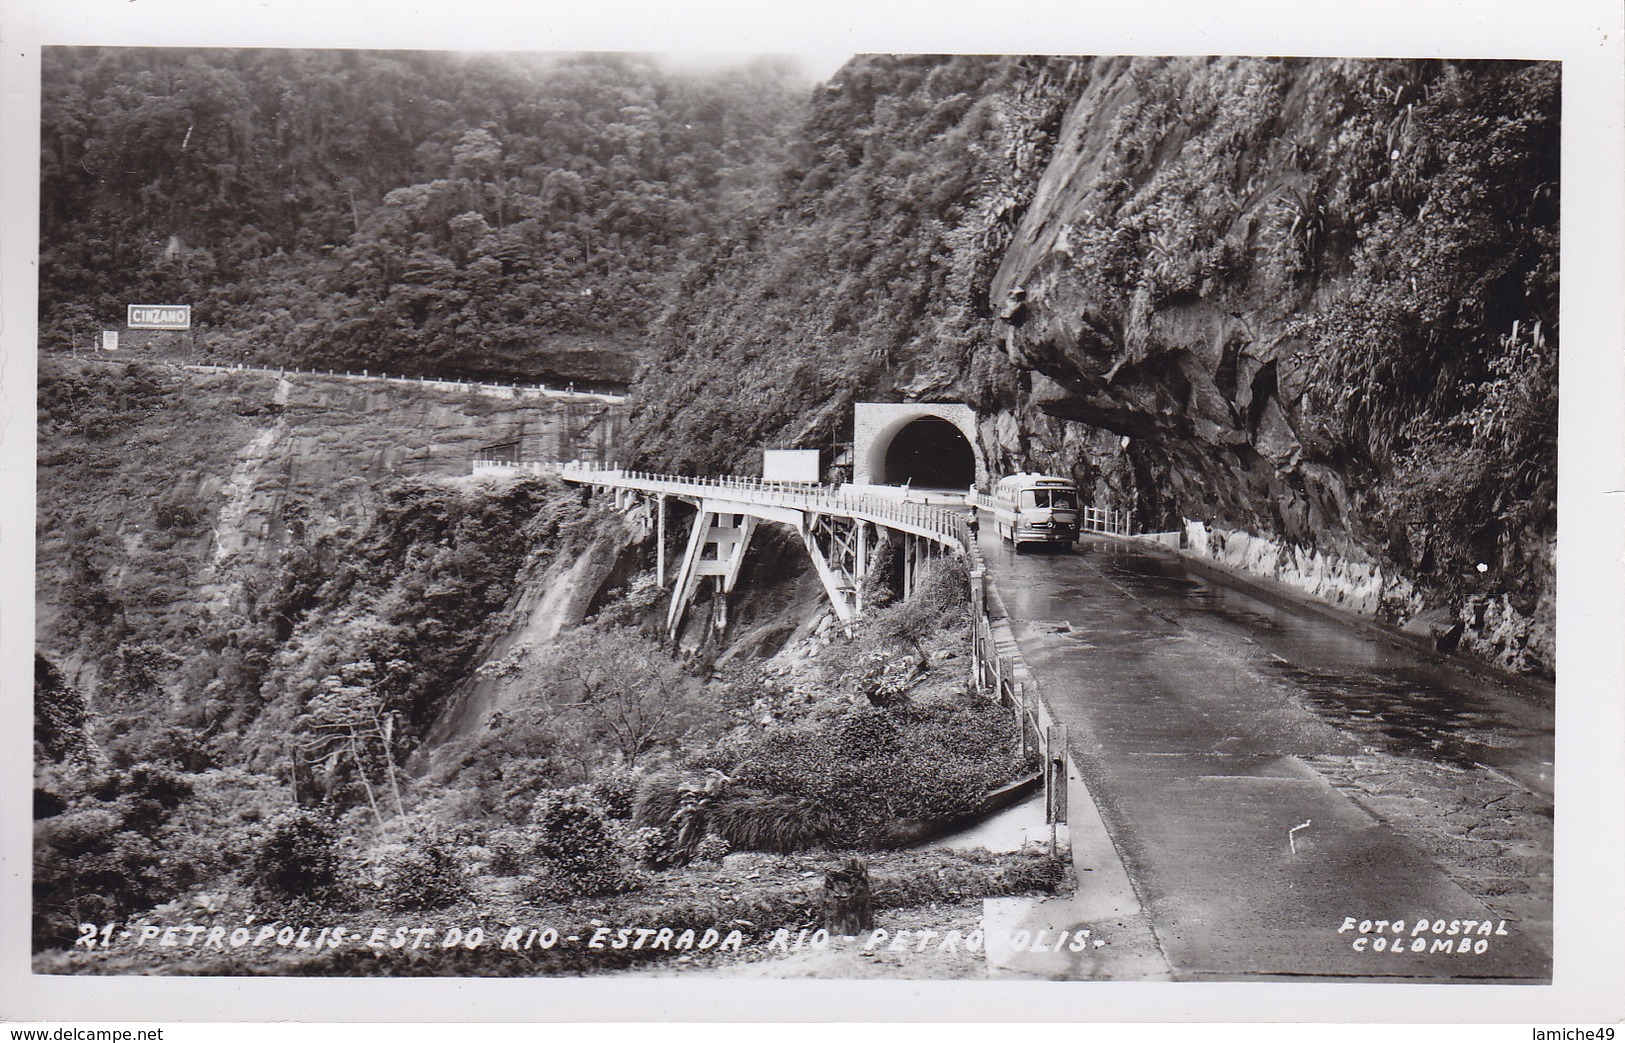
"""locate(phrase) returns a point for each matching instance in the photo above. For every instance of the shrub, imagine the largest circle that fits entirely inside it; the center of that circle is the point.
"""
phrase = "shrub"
(167, 744)
(297, 857)
(88, 867)
(575, 849)
(178, 514)
(423, 873)
(61, 716)
(658, 798)
(146, 794)
(617, 790)
(771, 822)
(646, 845)
(712, 849)
(510, 850)
(851, 779)
(111, 845)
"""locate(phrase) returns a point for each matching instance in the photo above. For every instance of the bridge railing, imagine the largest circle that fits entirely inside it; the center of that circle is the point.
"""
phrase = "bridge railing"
(949, 526)
(538, 466)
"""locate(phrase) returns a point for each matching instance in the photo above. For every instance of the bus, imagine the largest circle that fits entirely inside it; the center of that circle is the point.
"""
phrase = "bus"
(1035, 508)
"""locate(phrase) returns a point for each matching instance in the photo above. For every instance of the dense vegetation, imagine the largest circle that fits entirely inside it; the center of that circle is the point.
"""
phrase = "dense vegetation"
(873, 277)
(386, 587)
(1312, 300)
(411, 212)
(230, 714)
(1440, 362)
(616, 778)
(1379, 236)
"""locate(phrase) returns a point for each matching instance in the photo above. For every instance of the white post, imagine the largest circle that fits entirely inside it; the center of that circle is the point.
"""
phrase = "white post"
(660, 540)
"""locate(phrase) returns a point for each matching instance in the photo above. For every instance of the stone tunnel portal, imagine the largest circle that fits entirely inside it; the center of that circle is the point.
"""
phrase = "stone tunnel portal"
(930, 453)
(927, 445)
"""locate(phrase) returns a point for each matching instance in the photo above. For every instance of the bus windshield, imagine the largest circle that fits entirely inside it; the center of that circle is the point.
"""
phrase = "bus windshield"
(1056, 499)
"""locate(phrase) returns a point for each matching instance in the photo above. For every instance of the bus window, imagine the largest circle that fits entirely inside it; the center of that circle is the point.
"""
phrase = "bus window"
(1056, 499)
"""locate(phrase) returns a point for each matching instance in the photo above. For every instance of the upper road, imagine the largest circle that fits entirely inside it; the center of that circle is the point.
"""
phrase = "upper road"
(1265, 773)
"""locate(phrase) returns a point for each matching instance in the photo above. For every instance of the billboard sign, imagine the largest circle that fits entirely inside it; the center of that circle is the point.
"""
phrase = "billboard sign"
(790, 465)
(109, 340)
(159, 317)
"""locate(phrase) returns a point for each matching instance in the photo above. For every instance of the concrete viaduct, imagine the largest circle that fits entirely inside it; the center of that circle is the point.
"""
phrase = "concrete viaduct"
(838, 526)
(902, 453)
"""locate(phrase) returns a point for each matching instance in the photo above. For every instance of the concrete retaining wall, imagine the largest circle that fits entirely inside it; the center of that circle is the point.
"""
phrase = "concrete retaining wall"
(1346, 582)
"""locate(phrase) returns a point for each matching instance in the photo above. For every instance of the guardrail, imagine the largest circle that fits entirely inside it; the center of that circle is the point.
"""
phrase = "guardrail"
(990, 671)
(454, 383)
(998, 675)
(1106, 520)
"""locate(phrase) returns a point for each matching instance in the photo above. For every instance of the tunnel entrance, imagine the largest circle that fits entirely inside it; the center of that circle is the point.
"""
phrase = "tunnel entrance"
(930, 453)
(929, 445)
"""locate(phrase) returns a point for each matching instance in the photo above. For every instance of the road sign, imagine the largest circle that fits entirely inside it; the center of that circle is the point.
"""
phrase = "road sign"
(109, 340)
(159, 317)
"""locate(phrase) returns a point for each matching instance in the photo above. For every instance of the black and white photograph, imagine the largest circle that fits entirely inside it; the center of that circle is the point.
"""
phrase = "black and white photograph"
(736, 516)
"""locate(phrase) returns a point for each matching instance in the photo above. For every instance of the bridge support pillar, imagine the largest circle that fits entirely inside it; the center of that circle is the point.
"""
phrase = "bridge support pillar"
(716, 547)
(660, 540)
(840, 553)
(860, 571)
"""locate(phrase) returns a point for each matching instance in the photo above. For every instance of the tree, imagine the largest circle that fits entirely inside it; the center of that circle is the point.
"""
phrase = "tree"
(613, 690)
(61, 718)
(348, 719)
(138, 669)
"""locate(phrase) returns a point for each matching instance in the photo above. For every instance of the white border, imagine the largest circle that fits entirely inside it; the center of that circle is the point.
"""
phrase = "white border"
(1590, 915)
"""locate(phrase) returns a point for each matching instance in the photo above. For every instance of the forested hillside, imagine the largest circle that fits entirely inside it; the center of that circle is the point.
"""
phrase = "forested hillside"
(873, 280)
(1315, 301)
(415, 212)
(257, 620)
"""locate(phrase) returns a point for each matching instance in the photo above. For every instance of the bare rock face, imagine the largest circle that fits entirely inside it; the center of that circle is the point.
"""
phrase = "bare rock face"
(1197, 363)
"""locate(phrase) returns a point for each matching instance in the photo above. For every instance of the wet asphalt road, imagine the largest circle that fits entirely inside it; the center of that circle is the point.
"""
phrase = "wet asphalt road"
(1195, 710)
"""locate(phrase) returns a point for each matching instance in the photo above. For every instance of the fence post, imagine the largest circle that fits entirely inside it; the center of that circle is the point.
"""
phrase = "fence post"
(1020, 691)
(976, 629)
(1055, 811)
